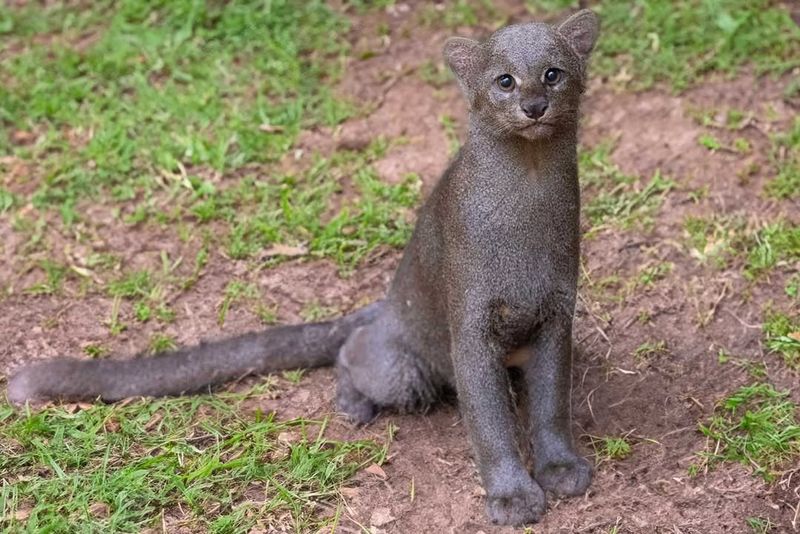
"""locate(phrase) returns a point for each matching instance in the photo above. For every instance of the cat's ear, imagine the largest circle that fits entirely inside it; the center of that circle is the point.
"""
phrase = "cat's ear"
(466, 59)
(581, 31)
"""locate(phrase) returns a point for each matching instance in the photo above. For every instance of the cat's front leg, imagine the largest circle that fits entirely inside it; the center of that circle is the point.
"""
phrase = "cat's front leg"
(512, 496)
(557, 465)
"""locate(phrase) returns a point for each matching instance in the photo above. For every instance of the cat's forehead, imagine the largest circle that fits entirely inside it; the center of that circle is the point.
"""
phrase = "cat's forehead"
(524, 45)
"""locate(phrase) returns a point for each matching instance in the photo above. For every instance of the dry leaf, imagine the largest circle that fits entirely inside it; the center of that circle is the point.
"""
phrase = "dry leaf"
(23, 514)
(270, 128)
(794, 335)
(285, 250)
(21, 137)
(154, 420)
(111, 425)
(75, 407)
(288, 437)
(376, 470)
(99, 509)
(86, 273)
(349, 492)
(380, 517)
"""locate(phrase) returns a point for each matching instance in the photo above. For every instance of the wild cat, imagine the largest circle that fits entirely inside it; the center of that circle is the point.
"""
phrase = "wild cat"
(488, 281)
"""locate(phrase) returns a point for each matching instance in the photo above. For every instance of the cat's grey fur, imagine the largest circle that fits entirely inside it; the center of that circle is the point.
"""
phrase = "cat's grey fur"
(487, 281)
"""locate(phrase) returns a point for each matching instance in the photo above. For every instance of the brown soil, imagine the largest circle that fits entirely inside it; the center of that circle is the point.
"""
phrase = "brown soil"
(431, 483)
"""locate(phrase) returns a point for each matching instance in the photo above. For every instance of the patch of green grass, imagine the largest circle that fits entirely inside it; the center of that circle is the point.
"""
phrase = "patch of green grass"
(608, 288)
(758, 427)
(719, 239)
(205, 462)
(714, 240)
(792, 288)
(608, 448)
(266, 314)
(158, 88)
(774, 244)
(648, 41)
(742, 145)
(615, 198)
(457, 13)
(294, 375)
(710, 142)
(160, 342)
(96, 351)
(734, 119)
(55, 274)
(433, 73)
(146, 107)
(7, 200)
(548, 6)
(782, 337)
(699, 194)
(363, 6)
(755, 369)
(653, 273)
(449, 124)
(235, 291)
(142, 311)
(137, 284)
(295, 210)
(180, 113)
(786, 158)
(759, 525)
(650, 349)
(313, 311)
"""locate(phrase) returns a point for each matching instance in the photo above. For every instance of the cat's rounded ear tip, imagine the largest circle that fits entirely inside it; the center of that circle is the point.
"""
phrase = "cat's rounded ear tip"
(455, 42)
(587, 16)
(460, 52)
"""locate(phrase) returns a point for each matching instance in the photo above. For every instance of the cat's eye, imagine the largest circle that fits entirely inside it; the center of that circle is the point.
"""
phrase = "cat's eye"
(506, 82)
(552, 76)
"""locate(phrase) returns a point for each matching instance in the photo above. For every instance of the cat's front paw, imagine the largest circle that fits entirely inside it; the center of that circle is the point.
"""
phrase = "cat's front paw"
(522, 504)
(565, 477)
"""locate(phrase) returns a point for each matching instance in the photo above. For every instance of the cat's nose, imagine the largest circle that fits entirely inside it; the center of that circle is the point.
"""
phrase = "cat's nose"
(534, 108)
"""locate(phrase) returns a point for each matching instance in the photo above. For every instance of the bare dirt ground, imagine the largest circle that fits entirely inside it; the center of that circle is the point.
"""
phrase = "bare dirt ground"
(431, 484)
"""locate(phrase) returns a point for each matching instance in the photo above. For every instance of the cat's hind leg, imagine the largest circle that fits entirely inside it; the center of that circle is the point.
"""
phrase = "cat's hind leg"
(375, 371)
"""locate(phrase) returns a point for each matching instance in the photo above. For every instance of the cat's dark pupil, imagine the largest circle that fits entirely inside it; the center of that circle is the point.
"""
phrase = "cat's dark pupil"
(506, 81)
(551, 75)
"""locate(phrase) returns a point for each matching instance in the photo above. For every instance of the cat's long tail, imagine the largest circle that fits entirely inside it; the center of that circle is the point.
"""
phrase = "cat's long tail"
(188, 369)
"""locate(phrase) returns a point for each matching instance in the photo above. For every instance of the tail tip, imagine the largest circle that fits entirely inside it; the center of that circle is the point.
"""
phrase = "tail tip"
(21, 387)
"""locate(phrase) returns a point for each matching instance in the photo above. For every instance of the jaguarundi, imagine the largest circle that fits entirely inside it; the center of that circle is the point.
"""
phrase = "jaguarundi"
(488, 281)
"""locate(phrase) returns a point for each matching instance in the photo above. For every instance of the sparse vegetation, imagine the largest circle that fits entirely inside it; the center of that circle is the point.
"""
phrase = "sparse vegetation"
(650, 349)
(154, 155)
(210, 462)
(714, 240)
(756, 426)
(615, 198)
(653, 273)
(609, 448)
(786, 158)
(161, 343)
(315, 311)
(775, 243)
(760, 525)
(679, 42)
(782, 337)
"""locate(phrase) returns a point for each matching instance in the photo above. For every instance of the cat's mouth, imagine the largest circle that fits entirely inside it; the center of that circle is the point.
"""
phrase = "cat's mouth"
(538, 124)
(537, 128)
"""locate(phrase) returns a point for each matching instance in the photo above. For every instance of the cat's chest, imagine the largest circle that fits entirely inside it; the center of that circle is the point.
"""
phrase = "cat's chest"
(525, 213)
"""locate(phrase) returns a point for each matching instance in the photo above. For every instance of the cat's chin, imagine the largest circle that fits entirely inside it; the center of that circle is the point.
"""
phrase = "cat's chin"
(537, 131)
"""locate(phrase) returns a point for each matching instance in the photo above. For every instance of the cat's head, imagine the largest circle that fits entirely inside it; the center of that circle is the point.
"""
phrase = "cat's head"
(526, 80)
